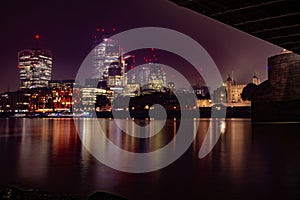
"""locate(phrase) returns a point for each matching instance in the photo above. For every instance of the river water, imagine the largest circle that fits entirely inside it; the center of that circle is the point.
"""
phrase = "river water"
(249, 161)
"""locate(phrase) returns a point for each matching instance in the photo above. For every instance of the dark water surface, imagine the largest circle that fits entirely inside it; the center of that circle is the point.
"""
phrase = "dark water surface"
(248, 162)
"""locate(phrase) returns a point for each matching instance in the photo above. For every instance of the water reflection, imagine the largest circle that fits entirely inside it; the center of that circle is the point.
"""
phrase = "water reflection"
(31, 165)
(113, 147)
(260, 161)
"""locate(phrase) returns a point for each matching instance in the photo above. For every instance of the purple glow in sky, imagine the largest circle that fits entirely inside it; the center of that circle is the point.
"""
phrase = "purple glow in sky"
(67, 27)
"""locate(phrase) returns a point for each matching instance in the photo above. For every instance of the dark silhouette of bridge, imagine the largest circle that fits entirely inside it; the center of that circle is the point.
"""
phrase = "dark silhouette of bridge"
(276, 21)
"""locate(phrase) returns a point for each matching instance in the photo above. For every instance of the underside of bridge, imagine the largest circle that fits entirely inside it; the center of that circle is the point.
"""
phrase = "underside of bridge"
(276, 21)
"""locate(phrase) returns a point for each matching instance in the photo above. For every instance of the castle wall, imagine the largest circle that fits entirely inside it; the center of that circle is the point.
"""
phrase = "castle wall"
(278, 98)
(284, 76)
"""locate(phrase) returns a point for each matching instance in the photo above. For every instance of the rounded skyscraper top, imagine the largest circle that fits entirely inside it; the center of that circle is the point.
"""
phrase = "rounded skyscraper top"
(35, 68)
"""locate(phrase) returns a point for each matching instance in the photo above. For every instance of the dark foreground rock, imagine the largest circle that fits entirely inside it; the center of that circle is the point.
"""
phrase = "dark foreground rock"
(33, 194)
(14, 193)
(105, 196)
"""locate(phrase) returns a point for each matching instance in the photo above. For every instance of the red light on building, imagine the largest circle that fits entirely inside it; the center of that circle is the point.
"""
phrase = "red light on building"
(97, 29)
(103, 30)
(37, 36)
(113, 29)
(152, 49)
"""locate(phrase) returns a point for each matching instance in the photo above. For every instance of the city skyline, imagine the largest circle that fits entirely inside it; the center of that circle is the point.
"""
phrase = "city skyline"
(149, 99)
(69, 35)
(112, 67)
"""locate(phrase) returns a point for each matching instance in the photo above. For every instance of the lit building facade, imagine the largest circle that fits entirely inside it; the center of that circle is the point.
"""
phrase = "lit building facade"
(115, 75)
(35, 67)
(88, 98)
(55, 98)
(151, 77)
(157, 78)
(105, 53)
(234, 91)
(62, 94)
(14, 101)
(143, 75)
(128, 62)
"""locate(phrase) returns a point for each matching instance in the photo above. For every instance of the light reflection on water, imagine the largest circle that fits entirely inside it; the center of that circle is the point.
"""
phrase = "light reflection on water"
(247, 162)
(125, 151)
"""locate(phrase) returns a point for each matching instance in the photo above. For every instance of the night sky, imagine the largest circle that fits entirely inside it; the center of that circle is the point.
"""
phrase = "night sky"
(67, 29)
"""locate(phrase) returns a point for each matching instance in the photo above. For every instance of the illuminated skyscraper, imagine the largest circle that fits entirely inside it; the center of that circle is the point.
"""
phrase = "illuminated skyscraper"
(115, 75)
(157, 78)
(142, 76)
(35, 67)
(151, 76)
(128, 62)
(106, 51)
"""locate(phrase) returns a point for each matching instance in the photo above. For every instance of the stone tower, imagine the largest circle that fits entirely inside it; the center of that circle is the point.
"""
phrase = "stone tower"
(278, 98)
(229, 83)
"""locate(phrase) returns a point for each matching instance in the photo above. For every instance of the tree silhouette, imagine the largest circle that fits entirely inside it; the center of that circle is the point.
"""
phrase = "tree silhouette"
(248, 91)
